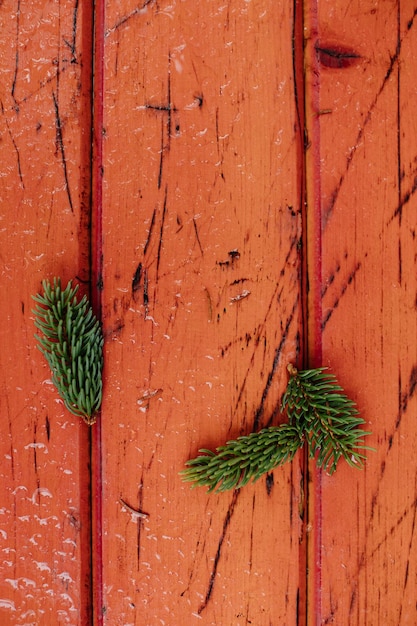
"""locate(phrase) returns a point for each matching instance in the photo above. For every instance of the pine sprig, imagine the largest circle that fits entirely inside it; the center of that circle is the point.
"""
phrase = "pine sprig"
(248, 457)
(320, 416)
(329, 421)
(72, 343)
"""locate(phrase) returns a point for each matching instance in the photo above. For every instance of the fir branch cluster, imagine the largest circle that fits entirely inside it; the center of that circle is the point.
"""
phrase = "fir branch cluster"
(320, 416)
(72, 343)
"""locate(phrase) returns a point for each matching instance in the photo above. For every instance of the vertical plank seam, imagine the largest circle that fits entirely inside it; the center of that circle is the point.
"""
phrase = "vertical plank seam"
(96, 290)
(313, 252)
(300, 108)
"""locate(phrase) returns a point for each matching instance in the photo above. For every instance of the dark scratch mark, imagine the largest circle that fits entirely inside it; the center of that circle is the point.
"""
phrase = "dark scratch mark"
(330, 280)
(145, 292)
(161, 157)
(161, 233)
(167, 108)
(199, 99)
(60, 146)
(403, 399)
(342, 293)
(118, 327)
(35, 459)
(72, 44)
(412, 386)
(275, 362)
(226, 524)
(209, 304)
(140, 499)
(180, 225)
(411, 20)
(136, 279)
(16, 63)
(413, 527)
(47, 428)
(126, 18)
(405, 200)
(149, 232)
(19, 167)
(197, 237)
(269, 483)
(399, 156)
(353, 599)
(100, 281)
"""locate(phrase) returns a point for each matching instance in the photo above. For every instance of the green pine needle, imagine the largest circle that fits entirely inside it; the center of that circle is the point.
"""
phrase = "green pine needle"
(72, 343)
(318, 407)
(320, 415)
(245, 458)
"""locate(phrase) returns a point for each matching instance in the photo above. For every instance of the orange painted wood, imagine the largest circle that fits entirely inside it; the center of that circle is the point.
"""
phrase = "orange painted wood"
(201, 307)
(361, 122)
(45, 61)
(195, 259)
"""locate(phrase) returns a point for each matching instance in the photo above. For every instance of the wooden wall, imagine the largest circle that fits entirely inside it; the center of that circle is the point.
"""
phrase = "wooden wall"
(232, 184)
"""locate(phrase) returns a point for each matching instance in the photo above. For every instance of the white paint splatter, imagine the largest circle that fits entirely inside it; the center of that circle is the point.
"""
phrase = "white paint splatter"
(7, 604)
(40, 491)
(38, 446)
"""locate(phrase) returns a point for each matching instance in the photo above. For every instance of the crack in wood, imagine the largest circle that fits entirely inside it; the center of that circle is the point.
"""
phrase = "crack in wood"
(212, 579)
(343, 290)
(16, 64)
(16, 149)
(277, 357)
(126, 18)
(72, 44)
(161, 233)
(61, 148)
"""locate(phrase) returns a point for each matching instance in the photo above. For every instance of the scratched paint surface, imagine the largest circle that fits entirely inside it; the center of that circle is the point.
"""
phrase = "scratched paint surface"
(201, 279)
(44, 547)
(201, 306)
(363, 109)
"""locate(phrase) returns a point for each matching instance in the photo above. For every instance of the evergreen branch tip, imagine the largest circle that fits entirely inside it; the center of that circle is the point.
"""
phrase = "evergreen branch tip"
(72, 342)
(320, 416)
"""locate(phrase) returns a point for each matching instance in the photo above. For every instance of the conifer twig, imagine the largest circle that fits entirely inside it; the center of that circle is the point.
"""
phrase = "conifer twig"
(248, 457)
(318, 407)
(320, 416)
(72, 343)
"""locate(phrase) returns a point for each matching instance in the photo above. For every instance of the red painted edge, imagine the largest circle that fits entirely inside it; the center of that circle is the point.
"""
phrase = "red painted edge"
(314, 302)
(97, 279)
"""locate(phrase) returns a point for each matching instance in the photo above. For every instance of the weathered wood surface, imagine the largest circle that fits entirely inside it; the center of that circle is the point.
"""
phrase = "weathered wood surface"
(201, 306)
(200, 252)
(45, 65)
(362, 127)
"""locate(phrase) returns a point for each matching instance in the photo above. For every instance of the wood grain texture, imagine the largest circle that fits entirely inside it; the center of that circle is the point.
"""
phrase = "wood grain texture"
(44, 213)
(201, 306)
(363, 105)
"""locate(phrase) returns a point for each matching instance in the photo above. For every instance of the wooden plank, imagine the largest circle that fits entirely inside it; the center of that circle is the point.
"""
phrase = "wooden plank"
(363, 103)
(45, 52)
(201, 306)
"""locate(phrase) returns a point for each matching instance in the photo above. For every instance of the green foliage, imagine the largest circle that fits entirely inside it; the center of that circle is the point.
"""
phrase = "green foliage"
(72, 343)
(319, 415)
(329, 421)
(243, 459)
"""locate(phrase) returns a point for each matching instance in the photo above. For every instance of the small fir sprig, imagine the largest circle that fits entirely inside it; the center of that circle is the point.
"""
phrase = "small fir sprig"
(72, 343)
(320, 416)
(326, 418)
